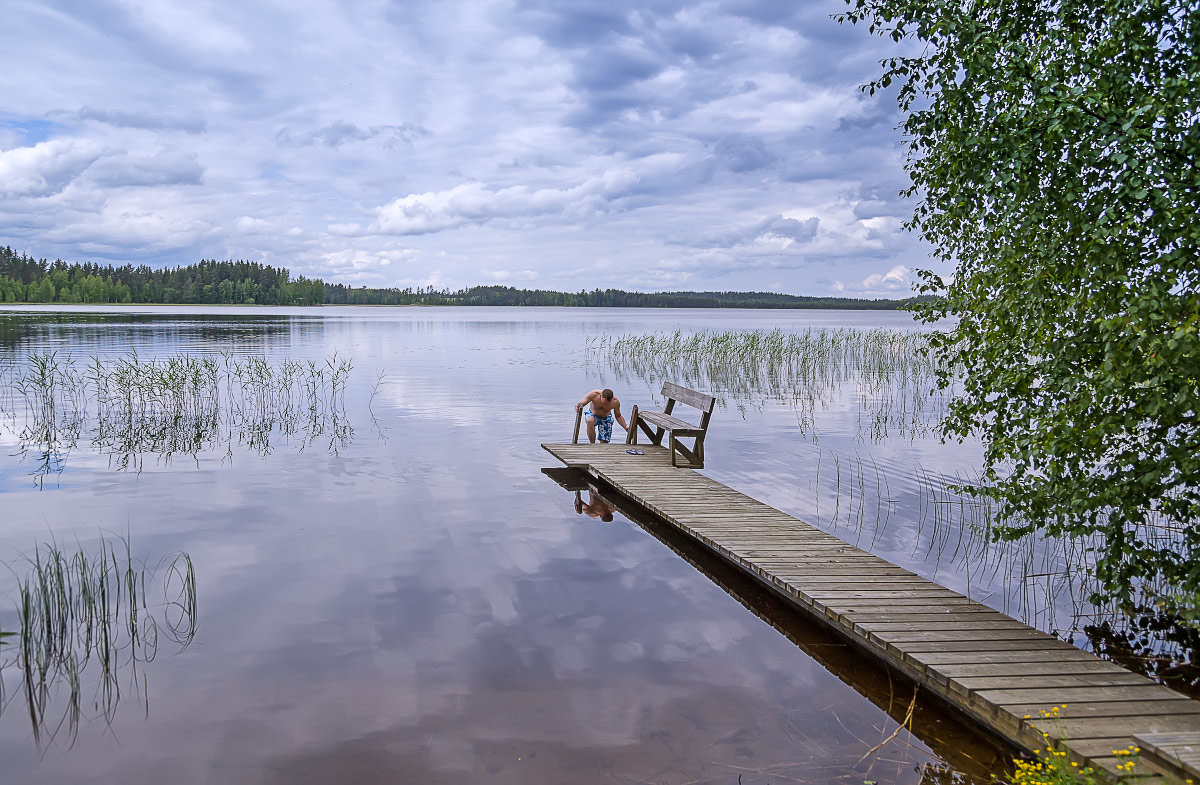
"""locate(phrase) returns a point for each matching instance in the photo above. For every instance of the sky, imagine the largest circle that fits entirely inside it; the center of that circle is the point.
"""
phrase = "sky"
(647, 145)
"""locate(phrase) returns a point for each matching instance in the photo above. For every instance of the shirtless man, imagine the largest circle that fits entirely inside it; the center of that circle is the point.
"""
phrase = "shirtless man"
(603, 408)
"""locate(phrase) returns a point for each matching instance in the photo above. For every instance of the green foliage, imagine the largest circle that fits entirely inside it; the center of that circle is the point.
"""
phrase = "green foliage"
(1053, 146)
(23, 277)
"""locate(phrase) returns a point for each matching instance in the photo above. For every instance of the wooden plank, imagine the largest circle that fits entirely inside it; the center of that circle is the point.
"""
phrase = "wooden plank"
(982, 621)
(693, 398)
(663, 420)
(842, 578)
(939, 658)
(1176, 753)
(799, 554)
(1077, 695)
(1048, 681)
(1160, 707)
(1032, 667)
(912, 648)
(1107, 726)
(973, 636)
(830, 595)
(919, 615)
(825, 585)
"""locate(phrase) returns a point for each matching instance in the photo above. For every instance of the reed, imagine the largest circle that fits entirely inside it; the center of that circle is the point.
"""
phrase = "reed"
(130, 406)
(85, 616)
(892, 373)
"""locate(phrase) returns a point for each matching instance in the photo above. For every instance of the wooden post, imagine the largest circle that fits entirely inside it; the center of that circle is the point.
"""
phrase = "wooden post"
(631, 434)
(578, 418)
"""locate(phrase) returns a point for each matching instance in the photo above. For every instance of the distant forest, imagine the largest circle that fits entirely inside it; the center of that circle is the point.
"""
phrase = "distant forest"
(25, 279)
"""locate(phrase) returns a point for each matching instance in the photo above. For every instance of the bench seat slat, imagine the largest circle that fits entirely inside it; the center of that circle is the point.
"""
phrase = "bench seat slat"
(666, 421)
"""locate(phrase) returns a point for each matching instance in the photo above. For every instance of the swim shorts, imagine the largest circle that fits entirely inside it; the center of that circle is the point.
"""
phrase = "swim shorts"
(603, 425)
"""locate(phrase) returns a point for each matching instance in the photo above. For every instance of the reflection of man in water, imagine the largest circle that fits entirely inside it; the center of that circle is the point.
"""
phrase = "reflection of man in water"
(603, 407)
(596, 506)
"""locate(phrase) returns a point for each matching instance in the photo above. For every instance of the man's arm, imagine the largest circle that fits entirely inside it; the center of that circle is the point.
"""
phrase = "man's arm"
(620, 417)
(586, 400)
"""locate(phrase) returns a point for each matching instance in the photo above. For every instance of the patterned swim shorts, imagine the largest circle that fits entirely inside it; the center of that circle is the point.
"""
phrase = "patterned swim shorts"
(603, 425)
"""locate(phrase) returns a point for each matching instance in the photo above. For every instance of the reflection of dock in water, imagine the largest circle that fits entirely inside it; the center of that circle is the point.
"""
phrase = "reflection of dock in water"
(950, 737)
(998, 671)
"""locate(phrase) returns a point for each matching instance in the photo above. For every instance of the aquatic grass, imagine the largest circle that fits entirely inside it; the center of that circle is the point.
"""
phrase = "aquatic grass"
(174, 405)
(92, 608)
(892, 371)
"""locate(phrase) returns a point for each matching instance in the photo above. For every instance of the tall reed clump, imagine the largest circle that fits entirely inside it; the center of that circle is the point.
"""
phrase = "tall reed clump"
(86, 616)
(891, 371)
(176, 404)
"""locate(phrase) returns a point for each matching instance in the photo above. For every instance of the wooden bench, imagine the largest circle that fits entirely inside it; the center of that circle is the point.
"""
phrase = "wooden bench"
(657, 424)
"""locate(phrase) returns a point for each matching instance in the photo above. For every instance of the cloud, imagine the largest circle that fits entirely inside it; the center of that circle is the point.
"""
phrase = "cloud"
(339, 133)
(774, 231)
(166, 167)
(510, 275)
(896, 281)
(148, 121)
(46, 168)
(474, 204)
(124, 228)
(246, 224)
(743, 153)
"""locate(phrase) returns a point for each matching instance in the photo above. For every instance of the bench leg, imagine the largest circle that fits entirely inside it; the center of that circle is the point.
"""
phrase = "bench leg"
(694, 456)
(631, 434)
(655, 438)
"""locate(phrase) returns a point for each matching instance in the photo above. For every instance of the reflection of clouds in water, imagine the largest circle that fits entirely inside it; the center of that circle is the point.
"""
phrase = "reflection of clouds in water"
(427, 398)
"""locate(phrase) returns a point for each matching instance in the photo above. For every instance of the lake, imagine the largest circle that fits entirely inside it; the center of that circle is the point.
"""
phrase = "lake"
(387, 588)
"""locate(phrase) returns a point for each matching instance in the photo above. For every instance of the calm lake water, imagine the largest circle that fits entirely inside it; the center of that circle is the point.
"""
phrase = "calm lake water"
(400, 595)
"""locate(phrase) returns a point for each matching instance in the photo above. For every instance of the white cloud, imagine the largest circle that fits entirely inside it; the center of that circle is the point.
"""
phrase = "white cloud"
(509, 275)
(165, 167)
(247, 225)
(473, 203)
(45, 168)
(898, 278)
(897, 281)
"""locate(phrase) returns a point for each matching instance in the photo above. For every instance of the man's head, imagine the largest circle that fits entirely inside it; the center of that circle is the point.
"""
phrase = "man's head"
(606, 517)
(606, 394)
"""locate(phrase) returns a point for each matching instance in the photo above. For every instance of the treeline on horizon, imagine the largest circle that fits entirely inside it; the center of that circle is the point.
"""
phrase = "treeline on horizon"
(26, 279)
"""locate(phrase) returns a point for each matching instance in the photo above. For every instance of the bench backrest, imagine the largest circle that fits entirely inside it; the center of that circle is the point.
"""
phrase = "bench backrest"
(698, 400)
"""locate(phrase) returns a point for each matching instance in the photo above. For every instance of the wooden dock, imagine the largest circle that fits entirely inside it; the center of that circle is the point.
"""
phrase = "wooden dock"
(999, 671)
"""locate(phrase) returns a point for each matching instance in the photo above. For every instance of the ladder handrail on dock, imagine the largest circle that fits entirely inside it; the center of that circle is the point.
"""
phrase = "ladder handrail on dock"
(999, 671)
